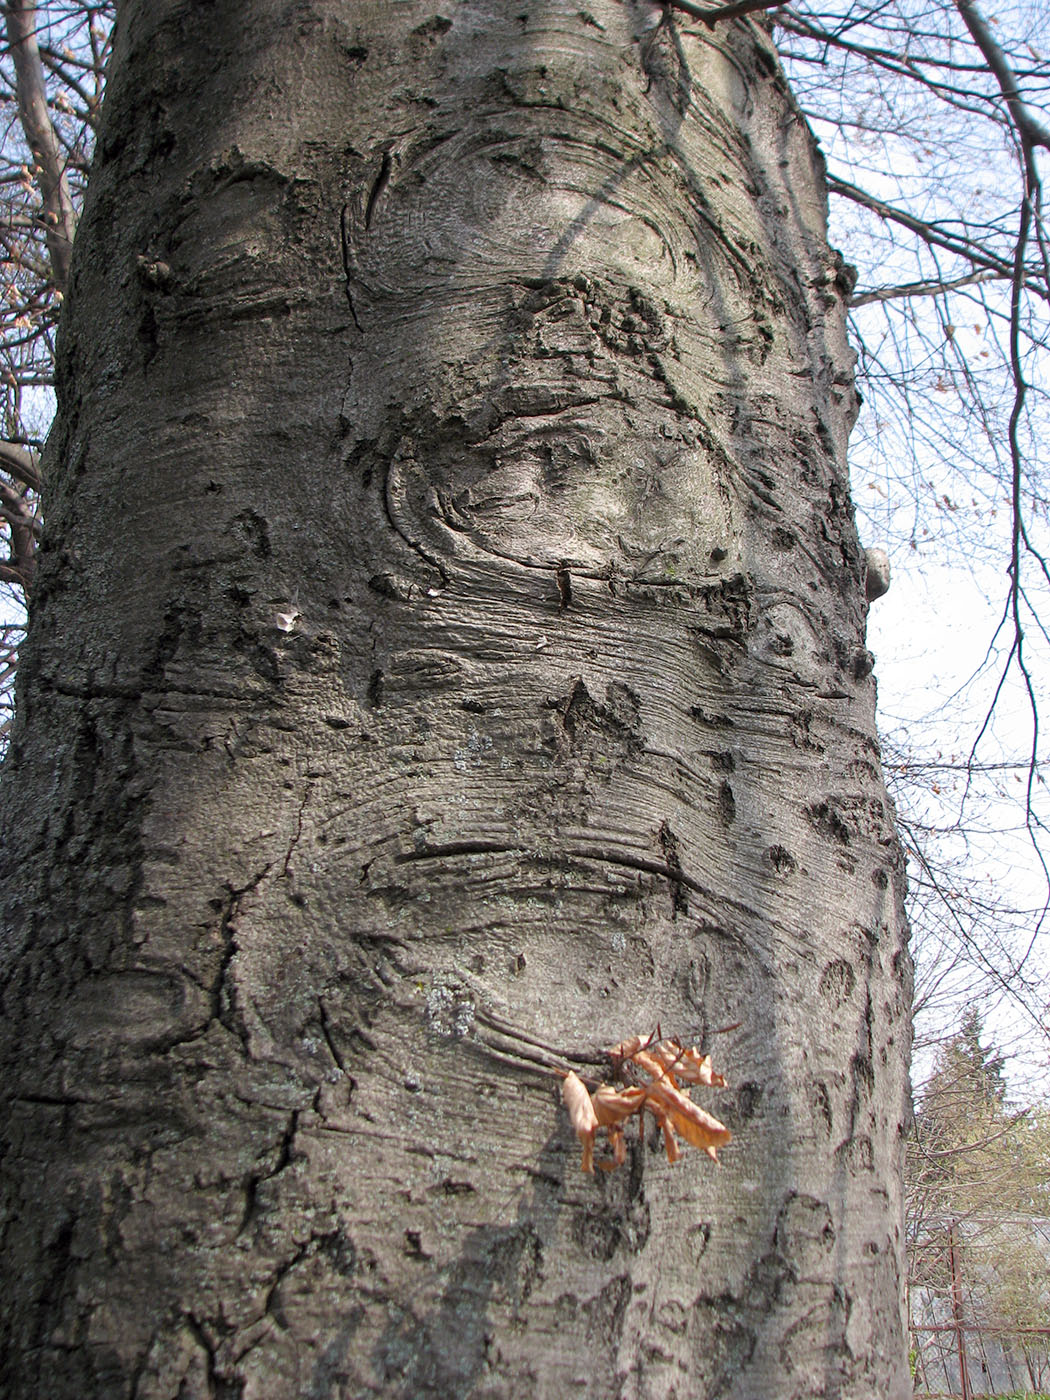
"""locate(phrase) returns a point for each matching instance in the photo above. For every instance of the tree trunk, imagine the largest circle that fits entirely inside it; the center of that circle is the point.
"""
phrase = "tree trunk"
(451, 612)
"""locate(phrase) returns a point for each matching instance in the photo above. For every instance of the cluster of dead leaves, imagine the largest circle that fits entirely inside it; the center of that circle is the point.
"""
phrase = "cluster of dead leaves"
(654, 1072)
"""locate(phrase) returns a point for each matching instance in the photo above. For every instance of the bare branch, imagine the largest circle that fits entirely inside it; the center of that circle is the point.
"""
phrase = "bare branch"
(712, 15)
(931, 233)
(1035, 132)
(59, 214)
(924, 289)
(21, 463)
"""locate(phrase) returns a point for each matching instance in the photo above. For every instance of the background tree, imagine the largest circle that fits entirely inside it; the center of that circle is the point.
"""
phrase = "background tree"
(51, 79)
(979, 1245)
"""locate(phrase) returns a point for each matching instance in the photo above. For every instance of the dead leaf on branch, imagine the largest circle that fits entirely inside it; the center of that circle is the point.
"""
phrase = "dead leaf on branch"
(582, 1115)
(654, 1072)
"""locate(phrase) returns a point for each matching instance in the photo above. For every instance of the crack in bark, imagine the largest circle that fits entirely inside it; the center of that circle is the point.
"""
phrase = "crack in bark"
(286, 872)
(647, 867)
(669, 846)
(326, 1031)
(223, 987)
(344, 240)
(255, 1179)
(455, 848)
(392, 520)
(218, 1387)
(379, 184)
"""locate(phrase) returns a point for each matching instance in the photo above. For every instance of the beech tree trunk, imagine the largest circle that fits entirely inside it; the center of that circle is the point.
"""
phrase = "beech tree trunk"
(451, 613)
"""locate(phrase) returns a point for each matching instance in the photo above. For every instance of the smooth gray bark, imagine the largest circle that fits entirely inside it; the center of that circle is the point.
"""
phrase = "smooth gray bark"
(451, 609)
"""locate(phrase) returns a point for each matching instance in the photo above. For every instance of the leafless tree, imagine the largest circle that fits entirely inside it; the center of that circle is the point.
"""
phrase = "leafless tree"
(52, 72)
(933, 126)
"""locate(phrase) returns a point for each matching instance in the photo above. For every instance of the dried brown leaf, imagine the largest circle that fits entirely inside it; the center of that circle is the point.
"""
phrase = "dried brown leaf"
(698, 1127)
(686, 1066)
(668, 1064)
(614, 1105)
(581, 1115)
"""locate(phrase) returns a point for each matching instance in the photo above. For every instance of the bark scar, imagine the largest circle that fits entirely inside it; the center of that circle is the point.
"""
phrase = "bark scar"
(379, 184)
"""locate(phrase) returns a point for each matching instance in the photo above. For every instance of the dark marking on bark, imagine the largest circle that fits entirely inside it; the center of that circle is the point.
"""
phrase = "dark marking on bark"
(149, 335)
(254, 530)
(615, 1224)
(837, 981)
(862, 663)
(414, 1246)
(697, 979)
(713, 721)
(800, 732)
(730, 605)
(726, 803)
(326, 1031)
(699, 1237)
(647, 867)
(820, 1100)
(604, 1312)
(600, 734)
(440, 1352)
(223, 991)
(855, 1154)
(219, 1388)
(451, 849)
(379, 184)
(781, 859)
(54, 1280)
(340, 1251)
(375, 689)
(564, 581)
(805, 1232)
(515, 1258)
(272, 1302)
(669, 845)
(181, 619)
(863, 1074)
(338, 722)
(432, 28)
(389, 585)
(725, 1334)
(451, 1187)
(829, 821)
(748, 1098)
